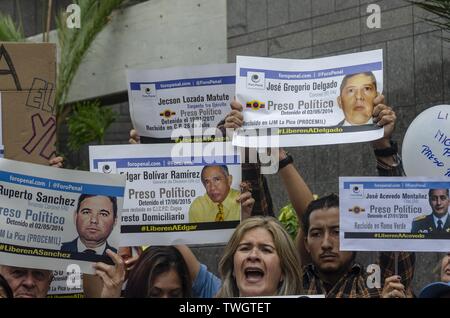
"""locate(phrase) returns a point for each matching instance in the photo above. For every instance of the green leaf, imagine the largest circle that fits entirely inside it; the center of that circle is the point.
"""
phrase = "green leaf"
(441, 8)
(74, 43)
(9, 32)
(88, 123)
(288, 217)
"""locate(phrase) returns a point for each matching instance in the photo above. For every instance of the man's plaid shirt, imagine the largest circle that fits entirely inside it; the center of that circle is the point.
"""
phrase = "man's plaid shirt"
(354, 283)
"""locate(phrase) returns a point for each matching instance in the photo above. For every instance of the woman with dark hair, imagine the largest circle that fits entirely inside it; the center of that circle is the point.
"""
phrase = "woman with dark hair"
(160, 272)
(5, 290)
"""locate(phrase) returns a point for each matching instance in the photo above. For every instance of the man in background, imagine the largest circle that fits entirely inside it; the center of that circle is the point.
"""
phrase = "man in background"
(27, 282)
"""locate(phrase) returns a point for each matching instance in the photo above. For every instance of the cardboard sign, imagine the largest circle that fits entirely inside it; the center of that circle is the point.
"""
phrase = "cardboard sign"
(27, 87)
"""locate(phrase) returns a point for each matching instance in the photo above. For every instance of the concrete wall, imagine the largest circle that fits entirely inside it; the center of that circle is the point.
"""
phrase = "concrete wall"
(33, 13)
(147, 35)
(151, 35)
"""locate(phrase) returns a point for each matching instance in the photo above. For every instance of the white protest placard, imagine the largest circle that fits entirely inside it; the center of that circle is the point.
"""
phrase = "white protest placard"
(166, 201)
(66, 285)
(183, 101)
(308, 102)
(55, 218)
(426, 146)
(394, 214)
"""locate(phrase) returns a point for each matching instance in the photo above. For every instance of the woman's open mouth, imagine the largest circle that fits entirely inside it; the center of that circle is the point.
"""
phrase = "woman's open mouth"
(253, 274)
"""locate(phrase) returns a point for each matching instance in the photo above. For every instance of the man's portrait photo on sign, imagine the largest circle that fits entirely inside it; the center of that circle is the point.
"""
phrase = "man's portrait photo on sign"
(357, 93)
(219, 203)
(437, 222)
(94, 218)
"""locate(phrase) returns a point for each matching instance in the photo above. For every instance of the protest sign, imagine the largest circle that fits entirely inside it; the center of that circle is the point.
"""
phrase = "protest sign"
(308, 102)
(182, 101)
(53, 222)
(166, 201)
(426, 146)
(27, 86)
(66, 285)
(394, 214)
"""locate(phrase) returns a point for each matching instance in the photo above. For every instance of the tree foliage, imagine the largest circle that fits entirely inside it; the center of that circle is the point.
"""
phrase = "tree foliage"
(88, 123)
(441, 8)
(288, 217)
(9, 31)
(74, 43)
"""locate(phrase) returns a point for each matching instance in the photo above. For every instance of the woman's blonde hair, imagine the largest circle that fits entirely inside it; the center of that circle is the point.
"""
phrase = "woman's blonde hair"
(288, 255)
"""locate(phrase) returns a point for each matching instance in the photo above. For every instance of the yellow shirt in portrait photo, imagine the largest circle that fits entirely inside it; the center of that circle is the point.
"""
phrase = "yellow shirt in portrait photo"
(203, 209)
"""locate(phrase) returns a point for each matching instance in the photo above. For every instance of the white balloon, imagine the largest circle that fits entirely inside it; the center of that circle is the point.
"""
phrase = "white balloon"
(426, 147)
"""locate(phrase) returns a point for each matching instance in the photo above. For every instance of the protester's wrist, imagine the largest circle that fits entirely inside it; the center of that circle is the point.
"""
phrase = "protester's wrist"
(288, 159)
(381, 143)
(387, 148)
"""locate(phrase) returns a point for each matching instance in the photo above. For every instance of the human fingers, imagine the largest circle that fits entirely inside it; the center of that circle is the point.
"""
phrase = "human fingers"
(234, 120)
(118, 261)
(118, 269)
(104, 268)
(392, 279)
(378, 108)
(111, 287)
(104, 276)
(235, 105)
(56, 162)
(386, 117)
(129, 263)
(396, 294)
(244, 197)
(397, 286)
(393, 283)
(379, 99)
(248, 203)
(134, 137)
